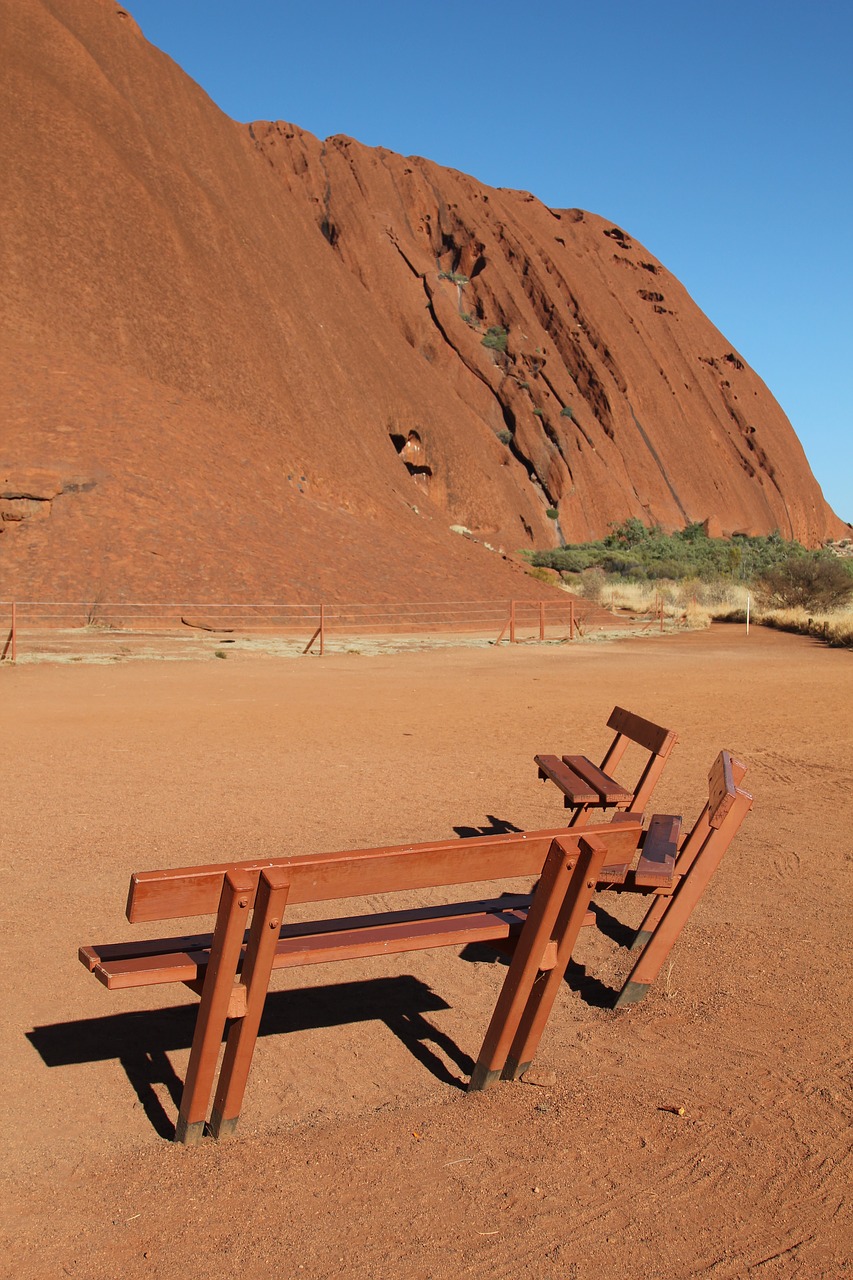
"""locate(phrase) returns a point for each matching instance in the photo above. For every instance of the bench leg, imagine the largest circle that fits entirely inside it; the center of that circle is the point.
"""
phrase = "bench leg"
(243, 1033)
(564, 879)
(237, 891)
(651, 920)
(570, 921)
(678, 907)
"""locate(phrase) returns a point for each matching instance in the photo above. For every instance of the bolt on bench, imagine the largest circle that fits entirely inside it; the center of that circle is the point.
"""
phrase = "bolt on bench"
(230, 969)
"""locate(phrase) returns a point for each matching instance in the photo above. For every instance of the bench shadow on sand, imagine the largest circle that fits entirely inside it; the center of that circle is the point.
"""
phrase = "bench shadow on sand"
(141, 1041)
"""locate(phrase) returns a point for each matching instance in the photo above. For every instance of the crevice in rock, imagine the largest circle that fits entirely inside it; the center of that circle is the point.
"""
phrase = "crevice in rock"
(411, 451)
(653, 451)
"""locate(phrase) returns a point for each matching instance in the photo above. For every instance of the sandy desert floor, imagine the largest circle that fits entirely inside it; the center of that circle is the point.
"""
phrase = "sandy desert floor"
(358, 1151)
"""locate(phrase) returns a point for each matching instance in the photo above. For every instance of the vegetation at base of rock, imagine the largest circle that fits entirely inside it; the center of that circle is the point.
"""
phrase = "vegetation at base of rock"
(635, 552)
(810, 581)
(495, 338)
(696, 579)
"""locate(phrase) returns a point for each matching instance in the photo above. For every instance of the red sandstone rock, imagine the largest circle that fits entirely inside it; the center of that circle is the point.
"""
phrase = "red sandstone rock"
(270, 351)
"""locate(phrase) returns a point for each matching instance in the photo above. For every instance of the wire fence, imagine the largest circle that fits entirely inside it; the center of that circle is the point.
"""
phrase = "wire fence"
(39, 629)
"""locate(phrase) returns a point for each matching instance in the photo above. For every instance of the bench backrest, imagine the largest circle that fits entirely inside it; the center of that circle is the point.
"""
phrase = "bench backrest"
(723, 813)
(195, 891)
(651, 737)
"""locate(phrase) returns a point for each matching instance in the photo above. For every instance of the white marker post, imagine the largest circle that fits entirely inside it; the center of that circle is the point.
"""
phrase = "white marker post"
(748, 598)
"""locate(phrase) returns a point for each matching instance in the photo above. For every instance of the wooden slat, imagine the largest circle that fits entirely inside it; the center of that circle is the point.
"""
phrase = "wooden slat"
(652, 736)
(575, 788)
(194, 891)
(656, 866)
(607, 789)
(323, 945)
(91, 956)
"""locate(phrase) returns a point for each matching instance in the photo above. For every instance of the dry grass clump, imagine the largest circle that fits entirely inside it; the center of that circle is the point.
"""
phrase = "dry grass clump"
(835, 628)
(694, 604)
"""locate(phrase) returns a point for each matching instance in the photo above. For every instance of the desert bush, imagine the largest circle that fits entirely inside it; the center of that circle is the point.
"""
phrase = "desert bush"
(566, 560)
(552, 513)
(806, 582)
(505, 436)
(637, 550)
(495, 338)
(591, 585)
(566, 412)
(541, 575)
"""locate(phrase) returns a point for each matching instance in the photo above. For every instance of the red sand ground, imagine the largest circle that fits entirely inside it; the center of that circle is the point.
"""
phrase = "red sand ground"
(358, 1152)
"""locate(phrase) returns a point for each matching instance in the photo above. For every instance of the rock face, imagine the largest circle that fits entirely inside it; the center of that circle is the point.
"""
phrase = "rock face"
(239, 361)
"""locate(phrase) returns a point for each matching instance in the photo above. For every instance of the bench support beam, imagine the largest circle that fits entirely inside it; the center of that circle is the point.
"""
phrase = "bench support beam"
(557, 913)
(243, 1033)
(237, 893)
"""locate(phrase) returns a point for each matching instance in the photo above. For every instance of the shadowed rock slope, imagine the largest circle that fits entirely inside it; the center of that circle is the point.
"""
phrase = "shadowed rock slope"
(239, 362)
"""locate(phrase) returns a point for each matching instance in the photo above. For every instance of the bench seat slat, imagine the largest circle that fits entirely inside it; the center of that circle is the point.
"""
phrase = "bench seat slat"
(656, 865)
(322, 942)
(91, 956)
(575, 788)
(608, 790)
(319, 942)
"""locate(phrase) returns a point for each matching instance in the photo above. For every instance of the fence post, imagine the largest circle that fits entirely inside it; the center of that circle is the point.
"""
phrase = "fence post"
(512, 622)
(11, 645)
(318, 634)
(322, 629)
(571, 619)
(541, 620)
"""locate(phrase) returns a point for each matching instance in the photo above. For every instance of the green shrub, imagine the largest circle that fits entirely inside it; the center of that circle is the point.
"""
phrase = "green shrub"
(505, 437)
(552, 513)
(495, 338)
(566, 560)
(538, 413)
(636, 551)
(566, 412)
(628, 534)
(817, 582)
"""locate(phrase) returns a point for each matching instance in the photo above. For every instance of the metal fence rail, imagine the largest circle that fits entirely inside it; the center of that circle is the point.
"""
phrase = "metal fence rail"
(45, 627)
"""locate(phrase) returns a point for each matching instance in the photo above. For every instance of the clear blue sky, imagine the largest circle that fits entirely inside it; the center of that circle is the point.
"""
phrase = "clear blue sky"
(719, 135)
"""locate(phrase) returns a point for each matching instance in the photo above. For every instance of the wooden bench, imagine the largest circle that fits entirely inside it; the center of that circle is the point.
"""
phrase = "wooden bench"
(673, 873)
(589, 788)
(230, 969)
